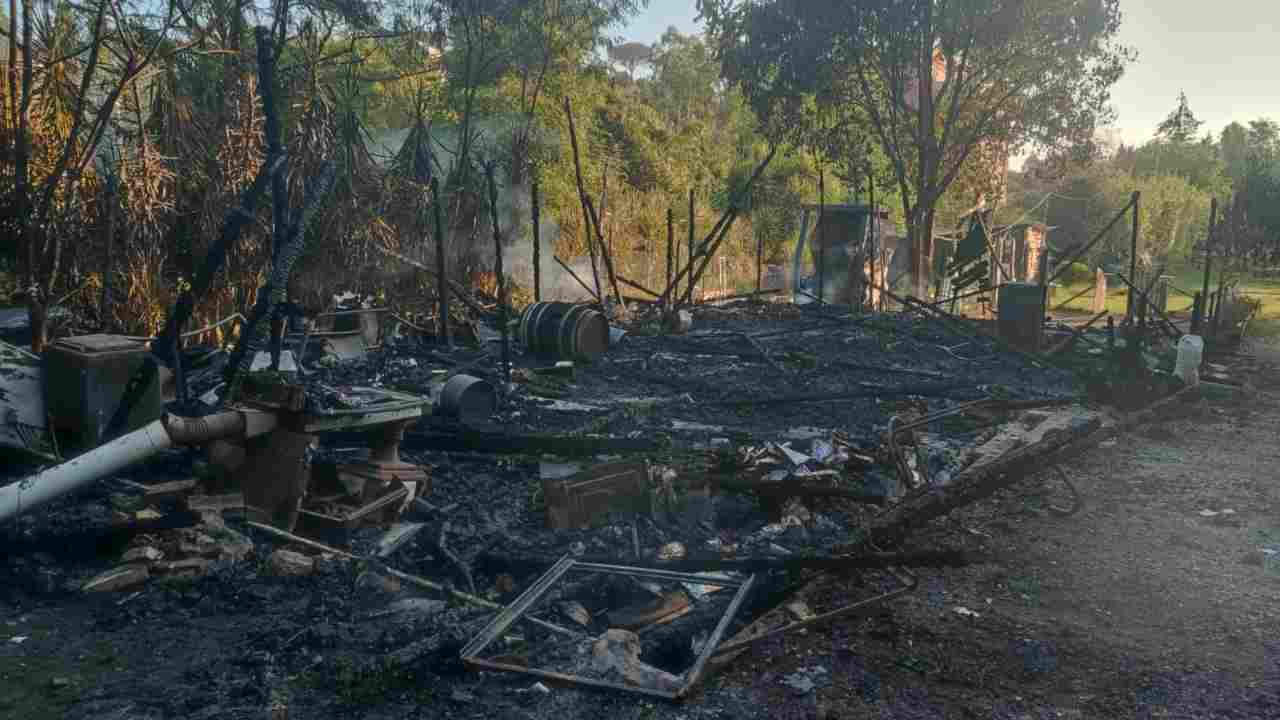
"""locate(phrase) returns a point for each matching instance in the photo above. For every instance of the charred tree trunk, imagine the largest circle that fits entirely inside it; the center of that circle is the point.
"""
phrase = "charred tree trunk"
(442, 270)
(36, 309)
(537, 242)
(109, 201)
(921, 230)
(269, 304)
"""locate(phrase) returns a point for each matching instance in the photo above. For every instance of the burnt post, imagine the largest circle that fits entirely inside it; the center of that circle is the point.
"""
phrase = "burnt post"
(605, 255)
(582, 198)
(873, 246)
(1198, 317)
(822, 247)
(691, 223)
(759, 259)
(1111, 346)
(279, 186)
(720, 230)
(442, 285)
(602, 221)
(1217, 308)
(179, 374)
(1133, 252)
(537, 244)
(671, 241)
(497, 271)
(271, 128)
(268, 305)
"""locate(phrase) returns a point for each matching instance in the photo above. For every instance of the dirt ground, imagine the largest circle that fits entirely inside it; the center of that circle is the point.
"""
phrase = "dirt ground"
(1160, 598)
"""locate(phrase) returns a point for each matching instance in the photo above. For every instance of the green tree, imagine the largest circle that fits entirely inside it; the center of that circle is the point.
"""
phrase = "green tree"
(937, 80)
(1182, 126)
(1234, 146)
(1199, 162)
(1177, 150)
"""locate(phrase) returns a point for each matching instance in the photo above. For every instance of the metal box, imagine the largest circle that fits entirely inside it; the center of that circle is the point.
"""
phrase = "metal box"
(577, 497)
(1021, 315)
(84, 379)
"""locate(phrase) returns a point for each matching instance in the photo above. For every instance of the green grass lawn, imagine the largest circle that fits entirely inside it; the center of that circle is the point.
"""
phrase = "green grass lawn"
(1186, 280)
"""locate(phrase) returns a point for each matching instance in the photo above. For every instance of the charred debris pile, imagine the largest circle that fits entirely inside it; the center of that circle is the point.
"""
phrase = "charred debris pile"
(620, 494)
(621, 505)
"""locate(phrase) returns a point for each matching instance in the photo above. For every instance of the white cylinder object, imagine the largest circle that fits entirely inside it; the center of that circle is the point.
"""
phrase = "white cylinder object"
(30, 493)
(1190, 354)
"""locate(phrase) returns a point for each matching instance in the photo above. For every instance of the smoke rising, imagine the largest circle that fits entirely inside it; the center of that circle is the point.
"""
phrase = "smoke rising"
(475, 242)
(515, 206)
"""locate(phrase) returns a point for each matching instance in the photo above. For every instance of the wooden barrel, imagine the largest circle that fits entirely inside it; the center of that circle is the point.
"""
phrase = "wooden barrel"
(564, 331)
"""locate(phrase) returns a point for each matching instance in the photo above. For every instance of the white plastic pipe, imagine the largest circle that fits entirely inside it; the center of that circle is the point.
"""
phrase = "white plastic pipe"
(26, 495)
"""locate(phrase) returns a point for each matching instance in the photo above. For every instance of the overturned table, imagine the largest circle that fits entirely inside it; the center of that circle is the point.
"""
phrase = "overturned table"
(275, 471)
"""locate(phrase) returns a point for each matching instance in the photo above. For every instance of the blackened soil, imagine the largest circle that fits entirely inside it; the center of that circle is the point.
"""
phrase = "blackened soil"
(1140, 605)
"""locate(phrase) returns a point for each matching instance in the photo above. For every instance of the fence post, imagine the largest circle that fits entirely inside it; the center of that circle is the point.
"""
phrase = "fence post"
(1198, 318)
(691, 219)
(537, 243)
(671, 241)
(1133, 254)
(822, 248)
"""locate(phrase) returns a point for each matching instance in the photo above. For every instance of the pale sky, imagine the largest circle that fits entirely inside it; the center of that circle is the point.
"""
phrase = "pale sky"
(1224, 54)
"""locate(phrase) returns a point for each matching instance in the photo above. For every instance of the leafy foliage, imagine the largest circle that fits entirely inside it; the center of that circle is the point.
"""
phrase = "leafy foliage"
(936, 82)
(1178, 173)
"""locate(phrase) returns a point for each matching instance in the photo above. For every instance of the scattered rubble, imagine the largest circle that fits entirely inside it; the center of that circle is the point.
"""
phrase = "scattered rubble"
(291, 564)
(684, 448)
(618, 651)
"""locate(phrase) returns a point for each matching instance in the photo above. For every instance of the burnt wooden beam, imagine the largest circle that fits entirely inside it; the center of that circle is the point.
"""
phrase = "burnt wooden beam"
(530, 444)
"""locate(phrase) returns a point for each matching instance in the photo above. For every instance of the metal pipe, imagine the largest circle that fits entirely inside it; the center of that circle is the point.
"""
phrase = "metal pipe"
(196, 431)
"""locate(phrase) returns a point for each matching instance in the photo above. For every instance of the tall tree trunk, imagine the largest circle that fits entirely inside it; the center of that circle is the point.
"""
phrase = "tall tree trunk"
(464, 140)
(13, 65)
(922, 229)
(36, 309)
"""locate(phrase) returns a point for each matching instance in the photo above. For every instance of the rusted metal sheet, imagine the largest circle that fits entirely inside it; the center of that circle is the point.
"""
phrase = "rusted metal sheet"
(23, 422)
(574, 498)
(275, 476)
(532, 597)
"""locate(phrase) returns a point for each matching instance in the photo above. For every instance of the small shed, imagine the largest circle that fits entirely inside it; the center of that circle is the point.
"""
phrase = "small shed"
(840, 239)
